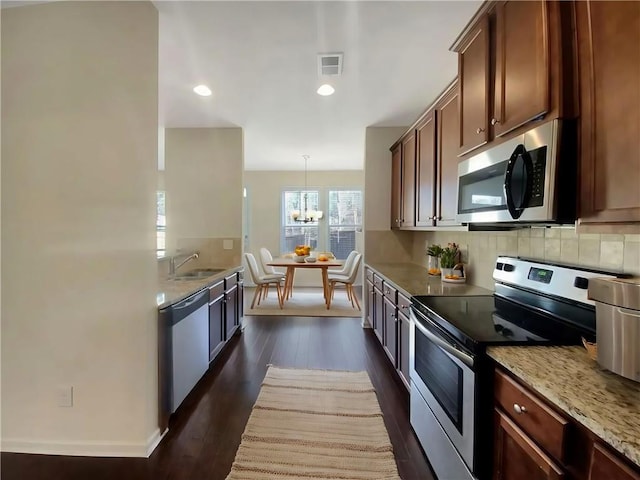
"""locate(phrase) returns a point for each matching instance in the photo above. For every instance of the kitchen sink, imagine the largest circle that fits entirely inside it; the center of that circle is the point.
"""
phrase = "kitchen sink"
(197, 273)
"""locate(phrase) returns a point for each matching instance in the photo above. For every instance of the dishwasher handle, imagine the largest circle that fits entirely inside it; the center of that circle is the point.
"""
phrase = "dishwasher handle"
(182, 309)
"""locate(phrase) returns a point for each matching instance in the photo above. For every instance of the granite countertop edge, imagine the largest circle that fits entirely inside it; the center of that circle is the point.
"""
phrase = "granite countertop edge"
(172, 291)
(621, 432)
(412, 279)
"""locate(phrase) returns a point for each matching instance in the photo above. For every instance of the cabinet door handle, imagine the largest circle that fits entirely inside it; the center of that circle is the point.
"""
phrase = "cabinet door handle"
(479, 130)
(494, 121)
(404, 307)
(519, 409)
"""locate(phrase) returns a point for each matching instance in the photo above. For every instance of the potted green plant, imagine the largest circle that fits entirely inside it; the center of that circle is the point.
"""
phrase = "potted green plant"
(449, 259)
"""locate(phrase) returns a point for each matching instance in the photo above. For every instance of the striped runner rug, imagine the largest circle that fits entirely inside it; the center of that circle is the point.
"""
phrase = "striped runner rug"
(315, 425)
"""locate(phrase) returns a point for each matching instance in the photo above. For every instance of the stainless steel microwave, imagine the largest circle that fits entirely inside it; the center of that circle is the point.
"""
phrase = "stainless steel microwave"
(531, 178)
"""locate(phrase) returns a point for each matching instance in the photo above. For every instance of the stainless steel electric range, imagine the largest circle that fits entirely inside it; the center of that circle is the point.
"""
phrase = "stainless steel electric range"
(450, 374)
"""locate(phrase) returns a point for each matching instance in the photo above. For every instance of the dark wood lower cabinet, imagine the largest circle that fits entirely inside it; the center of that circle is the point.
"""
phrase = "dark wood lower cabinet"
(605, 465)
(370, 303)
(231, 311)
(225, 311)
(388, 314)
(378, 313)
(216, 326)
(216, 318)
(536, 441)
(517, 457)
(390, 330)
(404, 327)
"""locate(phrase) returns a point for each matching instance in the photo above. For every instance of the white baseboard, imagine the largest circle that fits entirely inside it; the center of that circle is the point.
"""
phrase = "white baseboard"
(154, 440)
(85, 448)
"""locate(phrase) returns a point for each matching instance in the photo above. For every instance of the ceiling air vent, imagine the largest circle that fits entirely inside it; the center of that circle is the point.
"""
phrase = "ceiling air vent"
(329, 64)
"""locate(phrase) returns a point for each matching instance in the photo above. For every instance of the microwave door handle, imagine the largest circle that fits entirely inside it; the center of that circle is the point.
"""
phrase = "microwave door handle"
(516, 210)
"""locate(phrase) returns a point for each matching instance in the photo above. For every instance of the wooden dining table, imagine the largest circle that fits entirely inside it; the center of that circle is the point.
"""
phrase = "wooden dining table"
(291, 266)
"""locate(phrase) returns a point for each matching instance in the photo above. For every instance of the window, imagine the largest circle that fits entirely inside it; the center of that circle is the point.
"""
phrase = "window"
(296, 232)
(161, 224)
(345, 219)
(337, 229)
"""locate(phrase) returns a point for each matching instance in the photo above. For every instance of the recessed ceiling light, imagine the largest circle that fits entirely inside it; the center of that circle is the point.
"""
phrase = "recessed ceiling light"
(325, 90)
(202, 90)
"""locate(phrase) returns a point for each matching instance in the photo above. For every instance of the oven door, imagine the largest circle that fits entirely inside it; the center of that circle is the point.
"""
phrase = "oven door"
(444, 376)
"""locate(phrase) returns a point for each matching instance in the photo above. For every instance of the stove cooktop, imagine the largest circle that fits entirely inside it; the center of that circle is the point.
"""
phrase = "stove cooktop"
(478, 321)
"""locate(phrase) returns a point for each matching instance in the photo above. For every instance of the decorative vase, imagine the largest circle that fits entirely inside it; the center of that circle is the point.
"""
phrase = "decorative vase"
(446, 271)
(456, 270)
(433, 265)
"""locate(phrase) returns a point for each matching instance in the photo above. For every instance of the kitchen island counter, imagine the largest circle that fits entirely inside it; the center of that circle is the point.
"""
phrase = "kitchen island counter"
(605, 403)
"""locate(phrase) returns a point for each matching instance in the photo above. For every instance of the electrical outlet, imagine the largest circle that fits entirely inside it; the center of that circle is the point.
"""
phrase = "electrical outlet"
(227, 244)
(65, 395)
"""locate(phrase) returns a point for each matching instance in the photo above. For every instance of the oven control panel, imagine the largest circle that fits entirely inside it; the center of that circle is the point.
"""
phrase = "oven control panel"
(555, 279)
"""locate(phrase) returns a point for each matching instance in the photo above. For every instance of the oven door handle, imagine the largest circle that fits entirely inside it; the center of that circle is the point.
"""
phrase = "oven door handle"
(454, 352)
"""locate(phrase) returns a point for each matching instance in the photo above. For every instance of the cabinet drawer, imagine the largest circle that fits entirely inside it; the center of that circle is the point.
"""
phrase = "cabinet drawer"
(547, 428)
(377, 282)
(230, 281)
(403, 304)
(390, 292)
(369, 274)
(216, 290)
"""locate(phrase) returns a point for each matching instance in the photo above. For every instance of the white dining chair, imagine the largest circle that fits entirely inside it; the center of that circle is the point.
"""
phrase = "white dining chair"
(265, 259)
(346, 266)
(348, 281)
(262, 282)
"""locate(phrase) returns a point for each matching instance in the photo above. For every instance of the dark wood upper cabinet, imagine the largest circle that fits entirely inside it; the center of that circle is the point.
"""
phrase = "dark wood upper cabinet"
(408, 217)
(515, 66)
(429, 165)
(396, 185)
(448, 128)
(608, 37)
(473, 75)
(426, 170)
(521, 83)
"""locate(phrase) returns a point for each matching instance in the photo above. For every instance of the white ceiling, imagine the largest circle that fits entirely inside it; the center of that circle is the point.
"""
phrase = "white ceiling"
(260, 60)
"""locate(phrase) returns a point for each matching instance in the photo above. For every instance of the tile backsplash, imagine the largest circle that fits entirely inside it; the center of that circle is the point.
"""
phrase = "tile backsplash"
(619, 253)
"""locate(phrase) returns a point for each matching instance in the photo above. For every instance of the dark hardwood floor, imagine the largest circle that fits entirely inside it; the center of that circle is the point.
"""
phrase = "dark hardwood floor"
(205, 431)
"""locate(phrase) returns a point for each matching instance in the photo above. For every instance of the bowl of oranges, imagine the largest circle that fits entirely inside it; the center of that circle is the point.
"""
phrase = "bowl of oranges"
(301, 253)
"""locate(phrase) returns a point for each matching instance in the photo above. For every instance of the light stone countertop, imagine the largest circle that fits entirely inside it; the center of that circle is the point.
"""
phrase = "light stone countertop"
(172, 291)
(605, 403)
(414, 279)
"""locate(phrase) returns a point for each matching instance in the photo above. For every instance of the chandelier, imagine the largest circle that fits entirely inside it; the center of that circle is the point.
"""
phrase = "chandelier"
(306, 216)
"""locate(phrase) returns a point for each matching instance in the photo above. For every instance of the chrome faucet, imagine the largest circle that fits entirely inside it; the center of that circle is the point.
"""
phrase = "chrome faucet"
(172, 262)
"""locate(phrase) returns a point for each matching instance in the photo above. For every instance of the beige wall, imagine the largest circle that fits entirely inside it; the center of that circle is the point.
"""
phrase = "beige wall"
(79, 153)
(264, 198)
(203, 181)
(480, 249)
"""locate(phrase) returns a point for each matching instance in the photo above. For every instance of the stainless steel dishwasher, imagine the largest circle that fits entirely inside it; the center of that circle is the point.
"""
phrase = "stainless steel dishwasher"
(184, 338)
